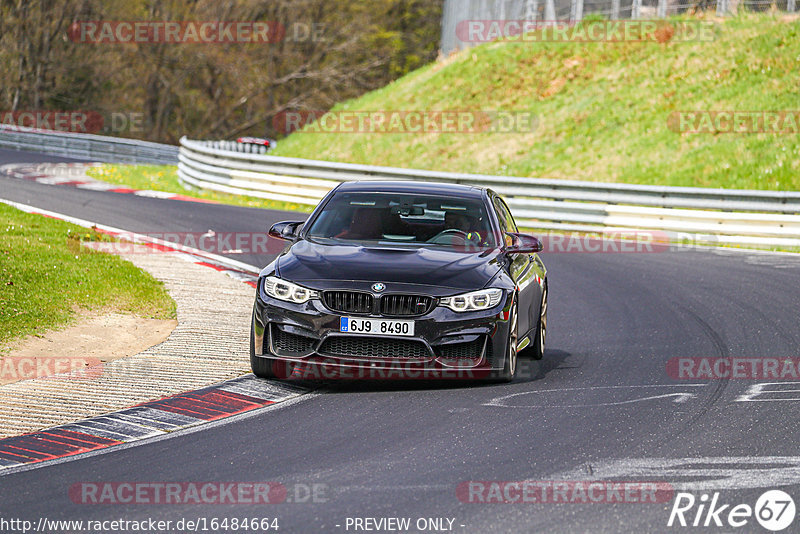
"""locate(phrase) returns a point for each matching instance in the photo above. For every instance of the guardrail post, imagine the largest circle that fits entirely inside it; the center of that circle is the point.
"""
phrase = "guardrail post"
(636, 9)
(576, 11)
(532, 10)
(550, 11)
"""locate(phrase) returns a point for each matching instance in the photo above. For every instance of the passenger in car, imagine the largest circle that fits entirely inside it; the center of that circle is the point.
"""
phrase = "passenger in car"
(366, 223)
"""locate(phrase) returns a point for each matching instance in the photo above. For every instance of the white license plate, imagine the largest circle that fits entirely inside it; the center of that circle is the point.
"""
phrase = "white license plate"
(376, 327)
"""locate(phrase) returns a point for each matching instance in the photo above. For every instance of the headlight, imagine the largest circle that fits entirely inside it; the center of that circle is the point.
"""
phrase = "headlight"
(475, 301)
(287, 291)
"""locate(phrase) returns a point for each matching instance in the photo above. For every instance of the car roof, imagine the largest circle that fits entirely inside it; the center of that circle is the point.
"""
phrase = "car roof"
(432, 188)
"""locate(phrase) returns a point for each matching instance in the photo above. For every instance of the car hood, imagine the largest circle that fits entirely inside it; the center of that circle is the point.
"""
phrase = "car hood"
(312, 262)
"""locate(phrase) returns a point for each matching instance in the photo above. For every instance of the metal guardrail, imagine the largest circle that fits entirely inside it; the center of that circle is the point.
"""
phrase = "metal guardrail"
(87, 146)
(770, 218)
(710, 215)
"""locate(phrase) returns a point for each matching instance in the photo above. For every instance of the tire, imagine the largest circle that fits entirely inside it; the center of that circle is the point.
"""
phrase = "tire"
(510, 363)
(537, 353)
(262, 367)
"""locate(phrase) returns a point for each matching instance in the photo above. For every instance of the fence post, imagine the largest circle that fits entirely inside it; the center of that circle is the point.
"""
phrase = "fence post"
(614, 9)
(532, 10)
(661, 11)
(722, 8)
(576, 11)
(790, 6)
(550, 11)
(636, 9)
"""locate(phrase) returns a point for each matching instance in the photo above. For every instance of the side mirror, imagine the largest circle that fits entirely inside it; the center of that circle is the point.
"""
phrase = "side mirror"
(523, 244)
(286, 230)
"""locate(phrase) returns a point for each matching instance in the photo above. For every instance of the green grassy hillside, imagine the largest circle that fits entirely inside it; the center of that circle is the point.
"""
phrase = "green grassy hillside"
(602, 108)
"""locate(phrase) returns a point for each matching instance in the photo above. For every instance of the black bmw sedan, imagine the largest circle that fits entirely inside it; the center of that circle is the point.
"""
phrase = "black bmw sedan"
(401, 280)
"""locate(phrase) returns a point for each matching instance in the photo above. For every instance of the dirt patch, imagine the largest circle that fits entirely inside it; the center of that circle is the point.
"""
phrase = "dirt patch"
(93, 339)
(555, 86)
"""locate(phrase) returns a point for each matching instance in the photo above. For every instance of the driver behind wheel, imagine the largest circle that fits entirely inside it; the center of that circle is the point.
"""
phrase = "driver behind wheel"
(466, 232)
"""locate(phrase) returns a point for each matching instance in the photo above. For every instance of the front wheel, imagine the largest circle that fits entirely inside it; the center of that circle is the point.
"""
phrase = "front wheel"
(510, 365)
(262, 367)
(541, 330)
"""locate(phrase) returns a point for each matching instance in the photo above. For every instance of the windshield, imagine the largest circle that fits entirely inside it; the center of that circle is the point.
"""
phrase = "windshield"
(404, 219)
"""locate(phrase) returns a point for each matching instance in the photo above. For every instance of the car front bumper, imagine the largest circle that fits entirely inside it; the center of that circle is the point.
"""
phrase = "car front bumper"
(471, 344)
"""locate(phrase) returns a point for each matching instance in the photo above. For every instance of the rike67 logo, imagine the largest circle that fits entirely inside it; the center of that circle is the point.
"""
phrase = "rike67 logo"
(774, 510)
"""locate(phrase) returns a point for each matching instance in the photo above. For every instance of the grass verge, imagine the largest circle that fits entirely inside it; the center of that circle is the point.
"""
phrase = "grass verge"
(45, 276)
(165, 178)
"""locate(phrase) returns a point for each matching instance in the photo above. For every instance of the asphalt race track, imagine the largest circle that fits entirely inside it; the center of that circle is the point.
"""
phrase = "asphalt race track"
(600, 405)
